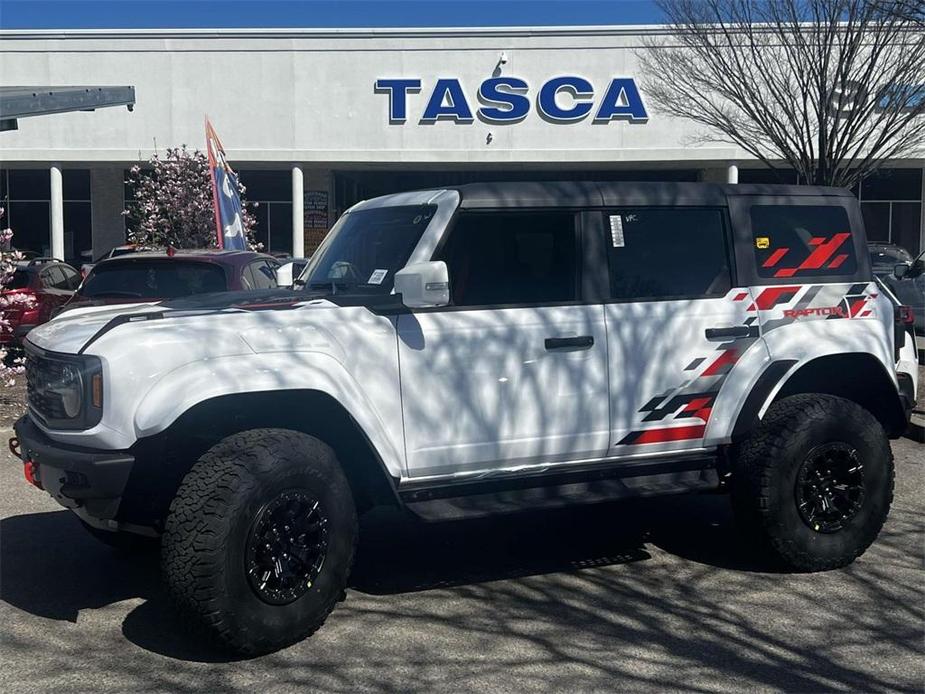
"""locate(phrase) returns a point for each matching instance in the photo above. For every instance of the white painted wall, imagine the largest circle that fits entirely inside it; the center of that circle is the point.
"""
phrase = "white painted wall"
(283, 95)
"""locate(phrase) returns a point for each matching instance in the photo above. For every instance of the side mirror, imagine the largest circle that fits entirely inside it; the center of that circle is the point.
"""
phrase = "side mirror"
(424, 285)
(900, 270)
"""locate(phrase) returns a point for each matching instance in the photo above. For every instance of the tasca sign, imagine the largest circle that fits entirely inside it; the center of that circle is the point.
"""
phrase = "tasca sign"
(506, 100)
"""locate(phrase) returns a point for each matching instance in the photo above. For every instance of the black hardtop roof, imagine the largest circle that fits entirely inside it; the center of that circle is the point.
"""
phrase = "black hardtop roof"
(604, 194)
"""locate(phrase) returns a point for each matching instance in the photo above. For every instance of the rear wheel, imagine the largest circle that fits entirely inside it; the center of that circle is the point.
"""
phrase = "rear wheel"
(260, 539)
(814, 481)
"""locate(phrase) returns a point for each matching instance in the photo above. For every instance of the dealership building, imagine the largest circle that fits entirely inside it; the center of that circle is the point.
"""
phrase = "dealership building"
(316, 120)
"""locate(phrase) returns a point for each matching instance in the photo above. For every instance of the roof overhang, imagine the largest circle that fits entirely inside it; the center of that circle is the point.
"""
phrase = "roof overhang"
(23, 102)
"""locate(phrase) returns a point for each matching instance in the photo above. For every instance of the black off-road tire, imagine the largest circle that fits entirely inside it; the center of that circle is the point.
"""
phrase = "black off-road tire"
(766, 470)
(122, 542)
(211, 521)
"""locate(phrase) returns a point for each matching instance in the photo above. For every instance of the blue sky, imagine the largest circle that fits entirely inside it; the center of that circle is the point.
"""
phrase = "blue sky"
(79, 14)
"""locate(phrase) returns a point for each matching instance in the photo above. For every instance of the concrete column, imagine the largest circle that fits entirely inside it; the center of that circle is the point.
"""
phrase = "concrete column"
(57, 213)
(106, 205)
(732, 174)
(298, 216)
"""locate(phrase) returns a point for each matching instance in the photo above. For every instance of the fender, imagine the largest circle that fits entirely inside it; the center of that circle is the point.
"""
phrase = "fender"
(199, 381)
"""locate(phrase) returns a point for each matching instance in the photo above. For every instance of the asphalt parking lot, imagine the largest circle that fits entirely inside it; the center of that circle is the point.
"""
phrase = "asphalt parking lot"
(638, 596)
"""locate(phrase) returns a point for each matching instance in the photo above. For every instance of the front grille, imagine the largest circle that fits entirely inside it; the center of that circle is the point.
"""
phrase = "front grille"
(40, 373)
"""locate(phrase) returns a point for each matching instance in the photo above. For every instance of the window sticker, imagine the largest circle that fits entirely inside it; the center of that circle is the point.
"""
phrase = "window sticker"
(763, 242)
(378, 276)
(616, 230)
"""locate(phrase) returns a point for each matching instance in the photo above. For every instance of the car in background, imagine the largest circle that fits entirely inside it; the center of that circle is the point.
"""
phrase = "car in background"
(151, 276)
(124, 249)
(886, 256)
(49, 283)
(289, 271)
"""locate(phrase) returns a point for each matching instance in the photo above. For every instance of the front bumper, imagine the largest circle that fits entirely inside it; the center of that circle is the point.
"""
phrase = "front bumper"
(90, 482)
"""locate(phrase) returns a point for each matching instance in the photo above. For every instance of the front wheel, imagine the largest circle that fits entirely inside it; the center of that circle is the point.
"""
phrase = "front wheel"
(260, 539)
(814, 481)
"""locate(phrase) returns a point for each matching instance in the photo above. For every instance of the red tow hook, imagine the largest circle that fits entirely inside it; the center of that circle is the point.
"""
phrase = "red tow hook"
(31, 471)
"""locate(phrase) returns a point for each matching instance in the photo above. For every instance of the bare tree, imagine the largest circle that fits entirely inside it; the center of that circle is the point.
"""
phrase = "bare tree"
(831, 88)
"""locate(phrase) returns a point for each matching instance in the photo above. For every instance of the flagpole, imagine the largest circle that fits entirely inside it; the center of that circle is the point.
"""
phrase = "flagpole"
(211, 141)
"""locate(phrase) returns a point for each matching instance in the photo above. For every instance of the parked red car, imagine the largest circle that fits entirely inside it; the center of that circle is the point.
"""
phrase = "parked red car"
(161, 275)
(49, 282)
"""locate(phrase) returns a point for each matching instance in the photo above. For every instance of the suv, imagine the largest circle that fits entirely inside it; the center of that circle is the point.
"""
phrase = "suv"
(149, 276)
(475, 351)
(48, 283)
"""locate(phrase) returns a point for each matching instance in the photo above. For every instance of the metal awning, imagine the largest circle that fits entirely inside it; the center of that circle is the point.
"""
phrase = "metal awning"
(22, 102)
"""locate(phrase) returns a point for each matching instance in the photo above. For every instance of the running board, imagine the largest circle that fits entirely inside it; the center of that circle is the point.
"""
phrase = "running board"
(511, 494)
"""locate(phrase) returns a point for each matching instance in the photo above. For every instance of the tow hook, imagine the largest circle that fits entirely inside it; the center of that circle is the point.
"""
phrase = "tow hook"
(31, 472)
(14, 447)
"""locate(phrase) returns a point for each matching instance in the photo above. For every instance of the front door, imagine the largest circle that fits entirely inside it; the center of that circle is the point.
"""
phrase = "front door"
(676, 326)
(514, 372)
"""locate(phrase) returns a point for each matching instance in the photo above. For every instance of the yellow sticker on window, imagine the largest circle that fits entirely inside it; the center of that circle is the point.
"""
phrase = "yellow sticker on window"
(763, 242)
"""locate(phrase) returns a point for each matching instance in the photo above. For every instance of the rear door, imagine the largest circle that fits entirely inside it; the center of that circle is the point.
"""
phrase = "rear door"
(676, 324)
(514, 372)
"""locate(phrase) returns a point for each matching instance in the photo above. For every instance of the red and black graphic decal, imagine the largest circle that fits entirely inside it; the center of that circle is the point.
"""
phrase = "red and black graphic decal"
(823, 253)
(695, 405)
(664, 435)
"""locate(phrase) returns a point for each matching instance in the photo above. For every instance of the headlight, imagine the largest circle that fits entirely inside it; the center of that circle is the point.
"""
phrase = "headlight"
(70, 389)
(65, 391)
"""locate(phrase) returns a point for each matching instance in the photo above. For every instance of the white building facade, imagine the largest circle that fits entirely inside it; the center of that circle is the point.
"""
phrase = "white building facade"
(316, 120)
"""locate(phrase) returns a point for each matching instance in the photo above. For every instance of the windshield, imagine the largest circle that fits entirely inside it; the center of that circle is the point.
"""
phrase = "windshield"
(153, 279)
(365, 249)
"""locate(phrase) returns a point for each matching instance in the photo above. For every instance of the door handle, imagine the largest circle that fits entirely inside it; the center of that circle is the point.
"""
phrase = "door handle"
(583, 342)
(733, 332)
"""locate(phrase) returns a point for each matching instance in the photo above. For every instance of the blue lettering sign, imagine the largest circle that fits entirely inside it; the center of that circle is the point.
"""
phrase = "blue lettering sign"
(578, 88)
(447, 102)
(397, 89)
(507, 92)
(503, 100)
(622, 102)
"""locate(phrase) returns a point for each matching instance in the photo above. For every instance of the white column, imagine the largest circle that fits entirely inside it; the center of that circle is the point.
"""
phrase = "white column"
(298, 217)
(57, 213)
(732, 174)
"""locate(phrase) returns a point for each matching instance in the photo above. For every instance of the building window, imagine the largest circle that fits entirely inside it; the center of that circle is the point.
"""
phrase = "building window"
(272, 191)
(891, 202)
(26, 196)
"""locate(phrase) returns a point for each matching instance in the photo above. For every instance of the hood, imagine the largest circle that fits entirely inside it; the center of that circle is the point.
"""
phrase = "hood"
(72, 330)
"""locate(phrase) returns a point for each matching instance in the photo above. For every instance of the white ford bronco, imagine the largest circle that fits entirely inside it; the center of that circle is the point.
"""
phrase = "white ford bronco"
(481, 350)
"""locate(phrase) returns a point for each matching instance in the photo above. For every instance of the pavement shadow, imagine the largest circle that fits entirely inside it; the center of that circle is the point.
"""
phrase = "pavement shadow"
(51, 567)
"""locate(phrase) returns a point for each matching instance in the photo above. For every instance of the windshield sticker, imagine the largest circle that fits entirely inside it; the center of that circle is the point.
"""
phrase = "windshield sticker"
(616, 230)
(378, 276)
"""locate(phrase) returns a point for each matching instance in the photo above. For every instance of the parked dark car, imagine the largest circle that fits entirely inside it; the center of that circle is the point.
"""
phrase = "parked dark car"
(49, 282)
(161, 275)
(886, 256)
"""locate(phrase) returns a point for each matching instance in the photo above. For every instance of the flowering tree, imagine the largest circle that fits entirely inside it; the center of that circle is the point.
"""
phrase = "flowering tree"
(172, 202)
(9, 365)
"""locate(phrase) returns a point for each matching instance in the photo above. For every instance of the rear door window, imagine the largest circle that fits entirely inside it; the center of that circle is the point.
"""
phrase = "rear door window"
(667, 253)
(53, 278)
(71, 277)
(802, 241)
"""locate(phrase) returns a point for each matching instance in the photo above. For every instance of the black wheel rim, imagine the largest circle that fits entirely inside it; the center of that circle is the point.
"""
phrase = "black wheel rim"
(830, 487)
(286, 547)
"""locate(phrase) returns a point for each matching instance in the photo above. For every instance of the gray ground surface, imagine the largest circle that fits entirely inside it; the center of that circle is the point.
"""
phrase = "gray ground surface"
(632, 597)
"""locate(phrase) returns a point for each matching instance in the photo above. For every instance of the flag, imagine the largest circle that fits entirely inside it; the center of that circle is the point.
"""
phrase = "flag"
(229, 217)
